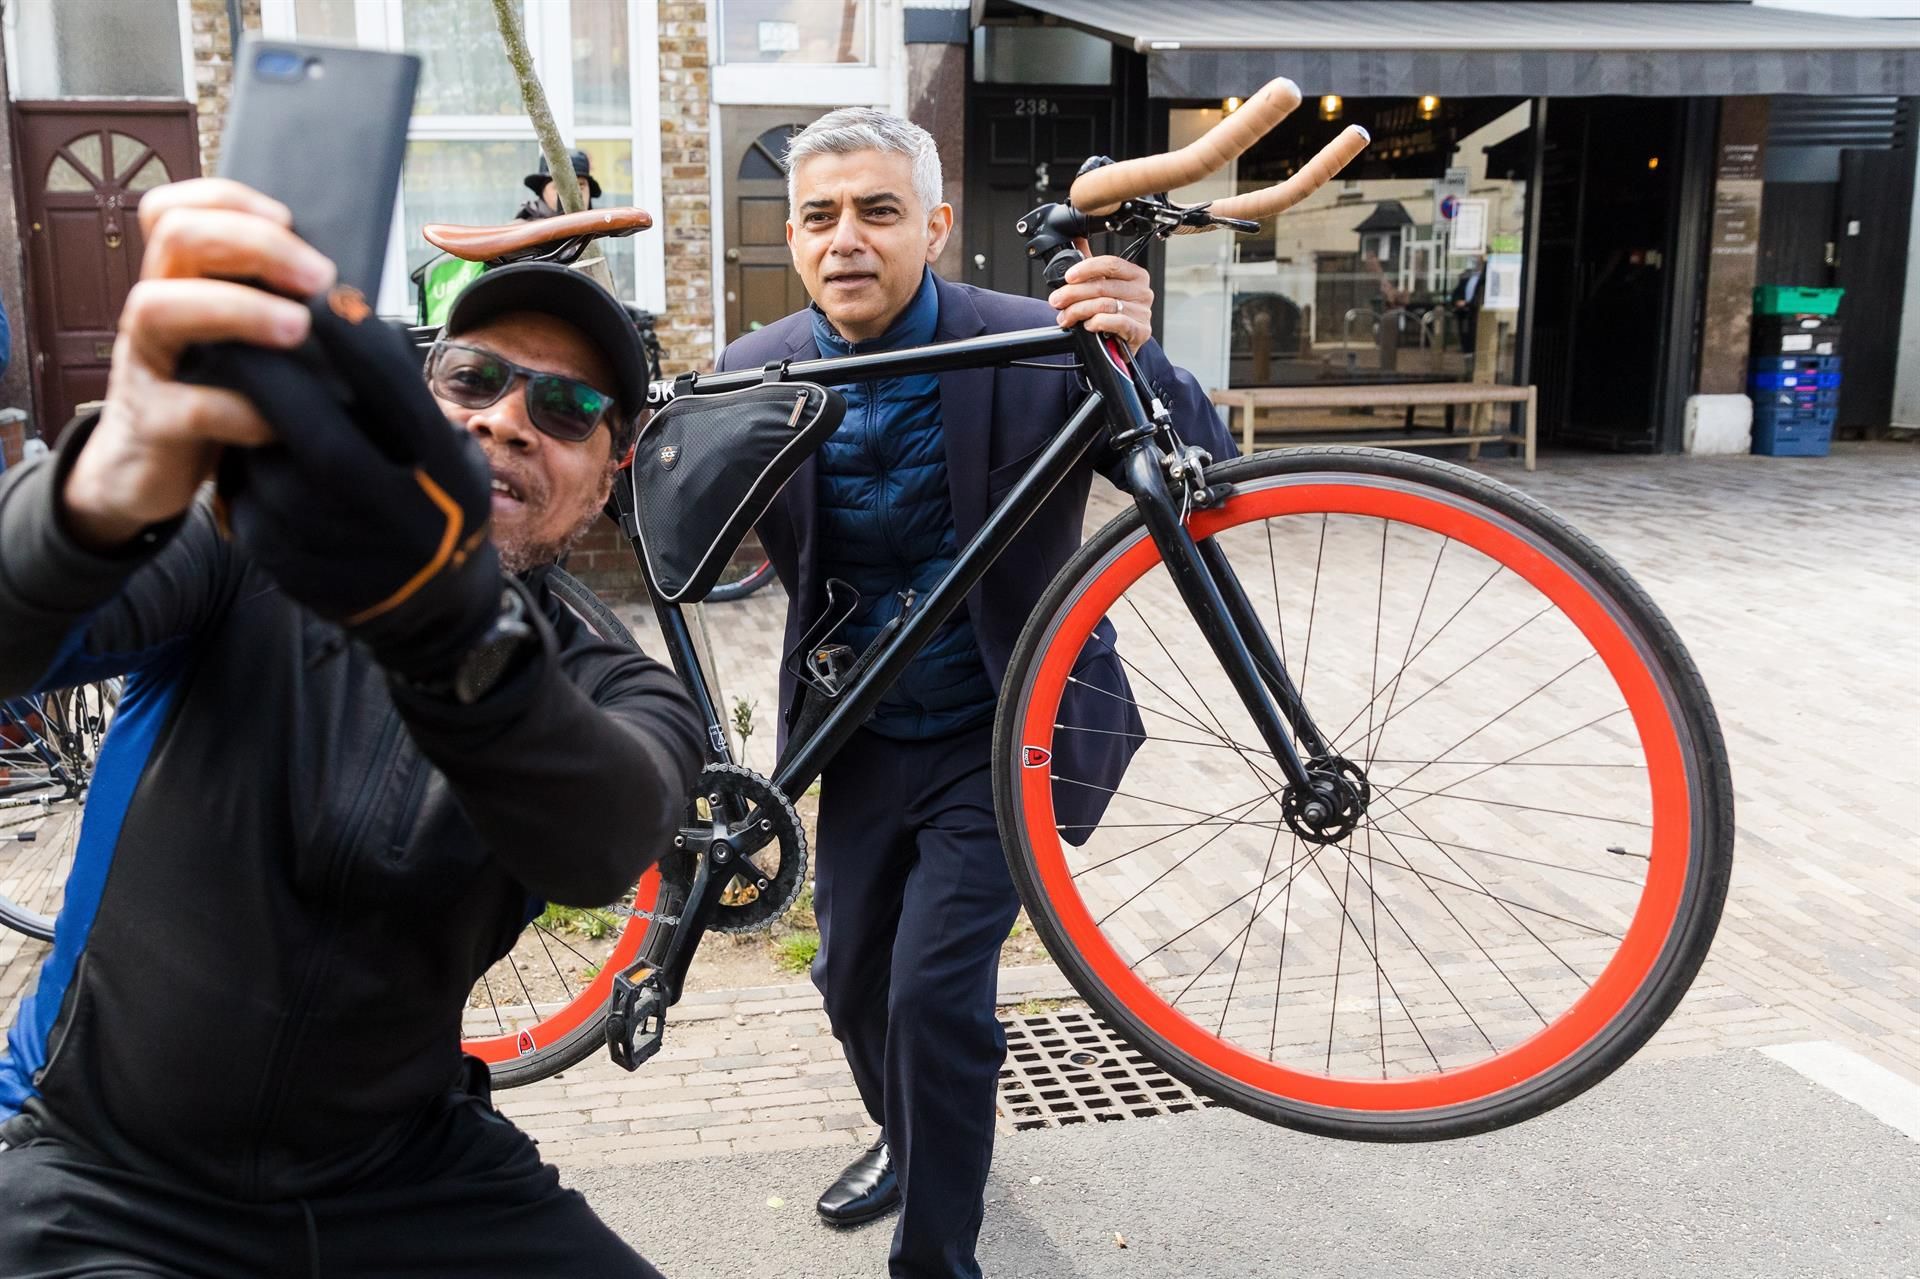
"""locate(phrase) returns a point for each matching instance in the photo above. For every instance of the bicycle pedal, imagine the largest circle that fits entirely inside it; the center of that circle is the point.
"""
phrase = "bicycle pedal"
(636, 1017)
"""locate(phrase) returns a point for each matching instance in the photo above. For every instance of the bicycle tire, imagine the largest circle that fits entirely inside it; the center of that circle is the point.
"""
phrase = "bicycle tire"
(73, 724)
(566, 1033)
(1687, 876)
(739, 589)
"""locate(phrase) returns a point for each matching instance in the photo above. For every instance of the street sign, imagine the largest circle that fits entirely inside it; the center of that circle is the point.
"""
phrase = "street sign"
(1469, 226)
(1449, 207)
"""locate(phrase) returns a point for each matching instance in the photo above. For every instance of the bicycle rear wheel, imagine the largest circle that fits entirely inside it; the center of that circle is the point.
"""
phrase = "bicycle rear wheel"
(543, 1008)
(740, 581)
(1544, 837)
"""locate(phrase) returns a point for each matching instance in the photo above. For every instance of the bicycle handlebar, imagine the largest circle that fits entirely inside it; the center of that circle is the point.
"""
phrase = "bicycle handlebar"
(1281, 196)
(1105, 189)
(1108, 187)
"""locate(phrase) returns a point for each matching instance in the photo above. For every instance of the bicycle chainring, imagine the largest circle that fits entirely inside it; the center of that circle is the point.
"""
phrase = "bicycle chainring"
(764, 884)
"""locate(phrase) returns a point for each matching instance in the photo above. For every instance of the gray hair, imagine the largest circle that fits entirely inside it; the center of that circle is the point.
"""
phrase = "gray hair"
(852, 129)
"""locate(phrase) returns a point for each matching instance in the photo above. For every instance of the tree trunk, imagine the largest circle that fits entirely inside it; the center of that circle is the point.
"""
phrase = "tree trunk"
(559, 162)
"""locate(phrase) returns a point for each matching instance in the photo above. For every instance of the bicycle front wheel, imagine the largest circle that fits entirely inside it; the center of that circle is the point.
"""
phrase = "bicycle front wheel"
(1542, 834)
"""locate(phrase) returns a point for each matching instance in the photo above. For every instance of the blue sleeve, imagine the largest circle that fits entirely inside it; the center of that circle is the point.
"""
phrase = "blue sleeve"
(6, 341)
(1193, 413)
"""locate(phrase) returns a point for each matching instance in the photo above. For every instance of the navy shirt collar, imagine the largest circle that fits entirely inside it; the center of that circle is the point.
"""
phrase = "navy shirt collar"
(914, 326)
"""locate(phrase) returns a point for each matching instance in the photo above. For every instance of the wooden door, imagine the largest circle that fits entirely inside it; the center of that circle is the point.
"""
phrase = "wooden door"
(762, 285)
(1030, 145)
(83, 168)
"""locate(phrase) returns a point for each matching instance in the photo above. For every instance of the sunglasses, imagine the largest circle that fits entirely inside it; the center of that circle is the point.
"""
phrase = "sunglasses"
(565, 408)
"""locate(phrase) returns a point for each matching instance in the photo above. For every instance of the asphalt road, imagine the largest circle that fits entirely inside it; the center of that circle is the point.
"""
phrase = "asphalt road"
(1731, 1164)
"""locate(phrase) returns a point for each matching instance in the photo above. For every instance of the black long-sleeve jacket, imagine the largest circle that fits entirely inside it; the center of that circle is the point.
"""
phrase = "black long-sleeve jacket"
(289, 877)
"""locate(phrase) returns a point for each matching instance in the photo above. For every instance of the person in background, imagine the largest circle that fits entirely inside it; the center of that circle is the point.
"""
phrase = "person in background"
(913, 895)
(546, 201)
(1468, 293)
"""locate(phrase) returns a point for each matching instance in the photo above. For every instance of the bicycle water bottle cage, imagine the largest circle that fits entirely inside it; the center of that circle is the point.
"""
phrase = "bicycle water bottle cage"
(829, 678)
(636, 1016)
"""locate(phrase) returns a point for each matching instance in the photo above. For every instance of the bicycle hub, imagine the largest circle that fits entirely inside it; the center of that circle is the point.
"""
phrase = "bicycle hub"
(1332, 806)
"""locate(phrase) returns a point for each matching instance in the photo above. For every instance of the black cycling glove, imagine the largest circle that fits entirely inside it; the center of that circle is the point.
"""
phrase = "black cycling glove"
(373, 509)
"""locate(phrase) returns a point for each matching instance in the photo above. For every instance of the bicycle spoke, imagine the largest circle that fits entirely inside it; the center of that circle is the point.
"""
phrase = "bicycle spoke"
(1502, 803)
(1313, 608)
(1258, 799)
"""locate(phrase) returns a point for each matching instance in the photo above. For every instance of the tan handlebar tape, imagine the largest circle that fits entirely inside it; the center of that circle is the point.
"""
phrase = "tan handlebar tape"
(1105, 189)
(1316, 173)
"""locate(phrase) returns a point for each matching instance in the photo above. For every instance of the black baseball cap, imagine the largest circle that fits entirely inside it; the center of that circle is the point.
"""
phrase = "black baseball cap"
(546, 288)
(582, 168)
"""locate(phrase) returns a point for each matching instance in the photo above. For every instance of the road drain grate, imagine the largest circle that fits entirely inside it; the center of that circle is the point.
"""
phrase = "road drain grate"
(1065, 1067)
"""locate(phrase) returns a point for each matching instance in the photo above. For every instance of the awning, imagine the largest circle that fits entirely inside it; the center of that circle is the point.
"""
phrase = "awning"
(1402, 48)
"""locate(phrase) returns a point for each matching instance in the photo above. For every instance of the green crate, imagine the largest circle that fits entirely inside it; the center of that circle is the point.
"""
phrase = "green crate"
(1789, 299)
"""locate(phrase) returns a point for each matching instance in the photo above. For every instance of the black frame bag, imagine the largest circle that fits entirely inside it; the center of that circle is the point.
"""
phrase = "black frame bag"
(707, 466)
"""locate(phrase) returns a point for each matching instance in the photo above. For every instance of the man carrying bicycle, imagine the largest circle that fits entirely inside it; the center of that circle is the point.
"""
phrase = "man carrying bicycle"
(360, 745)
(913, 894)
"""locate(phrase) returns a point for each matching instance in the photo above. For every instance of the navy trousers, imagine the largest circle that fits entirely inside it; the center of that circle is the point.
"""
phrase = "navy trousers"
(914, 900)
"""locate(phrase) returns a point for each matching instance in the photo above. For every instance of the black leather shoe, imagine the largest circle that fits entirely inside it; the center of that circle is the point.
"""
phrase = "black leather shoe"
(867, 1189)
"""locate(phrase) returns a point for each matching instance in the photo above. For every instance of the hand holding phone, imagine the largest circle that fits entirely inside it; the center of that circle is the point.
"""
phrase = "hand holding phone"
(158, 436)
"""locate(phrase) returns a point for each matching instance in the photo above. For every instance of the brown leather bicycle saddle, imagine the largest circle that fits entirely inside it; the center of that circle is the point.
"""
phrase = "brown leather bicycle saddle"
(485, 243)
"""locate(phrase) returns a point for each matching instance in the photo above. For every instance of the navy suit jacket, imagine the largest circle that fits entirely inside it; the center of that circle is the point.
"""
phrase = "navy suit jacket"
(995, 423)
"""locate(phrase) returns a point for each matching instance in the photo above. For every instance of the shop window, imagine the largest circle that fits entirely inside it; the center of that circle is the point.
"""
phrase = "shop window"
(796, 31)
(1404, 270)
(1040, 55)
(96, 48)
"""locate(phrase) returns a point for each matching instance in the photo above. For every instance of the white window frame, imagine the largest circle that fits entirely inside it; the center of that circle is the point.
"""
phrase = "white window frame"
(378, 24)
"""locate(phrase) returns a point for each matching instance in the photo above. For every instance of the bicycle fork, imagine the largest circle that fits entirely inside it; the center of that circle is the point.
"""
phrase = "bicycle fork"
(1324, 796)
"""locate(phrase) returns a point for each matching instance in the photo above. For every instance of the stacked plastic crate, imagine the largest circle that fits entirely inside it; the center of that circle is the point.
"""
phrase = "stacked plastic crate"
(1794, 372)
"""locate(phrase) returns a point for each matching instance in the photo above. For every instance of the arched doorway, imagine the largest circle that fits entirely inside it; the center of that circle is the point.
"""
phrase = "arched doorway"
(761, 283)
(83, 171)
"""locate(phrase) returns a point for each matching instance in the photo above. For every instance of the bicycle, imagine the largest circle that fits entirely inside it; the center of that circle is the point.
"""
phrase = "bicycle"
(49, 743)
(740, 581)
(1491, 833)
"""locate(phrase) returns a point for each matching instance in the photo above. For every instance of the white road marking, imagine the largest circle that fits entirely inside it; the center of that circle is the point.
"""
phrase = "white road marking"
(1886, 1096)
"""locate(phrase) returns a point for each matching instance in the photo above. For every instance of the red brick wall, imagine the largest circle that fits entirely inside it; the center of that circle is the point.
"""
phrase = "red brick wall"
(604, 561)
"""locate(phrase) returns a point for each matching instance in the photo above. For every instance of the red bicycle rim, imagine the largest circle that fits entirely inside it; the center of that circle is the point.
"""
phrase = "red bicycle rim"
(1588, 1018)
(587, 1003)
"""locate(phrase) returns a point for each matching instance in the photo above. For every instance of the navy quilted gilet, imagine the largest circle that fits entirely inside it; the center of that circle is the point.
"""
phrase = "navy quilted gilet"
(886, 526)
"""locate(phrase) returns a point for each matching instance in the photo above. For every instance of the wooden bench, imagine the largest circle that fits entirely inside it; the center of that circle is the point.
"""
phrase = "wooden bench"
(1408, 395)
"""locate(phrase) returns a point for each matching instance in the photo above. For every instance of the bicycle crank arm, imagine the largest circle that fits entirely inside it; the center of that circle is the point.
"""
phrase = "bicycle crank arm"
(636, 1016)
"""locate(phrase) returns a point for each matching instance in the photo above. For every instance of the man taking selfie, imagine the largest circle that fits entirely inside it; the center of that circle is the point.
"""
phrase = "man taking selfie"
(360, 745)
(912, 893)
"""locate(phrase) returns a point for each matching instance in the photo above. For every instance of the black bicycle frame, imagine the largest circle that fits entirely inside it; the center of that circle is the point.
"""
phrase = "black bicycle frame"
(1115, 407)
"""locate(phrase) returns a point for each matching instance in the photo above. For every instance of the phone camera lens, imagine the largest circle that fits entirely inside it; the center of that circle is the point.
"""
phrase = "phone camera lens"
(279, 64)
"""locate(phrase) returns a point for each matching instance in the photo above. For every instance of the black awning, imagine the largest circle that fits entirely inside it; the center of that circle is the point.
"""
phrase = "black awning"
(1502, 48)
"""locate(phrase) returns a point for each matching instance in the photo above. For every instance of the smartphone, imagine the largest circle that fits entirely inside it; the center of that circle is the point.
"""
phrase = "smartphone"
(323, 129)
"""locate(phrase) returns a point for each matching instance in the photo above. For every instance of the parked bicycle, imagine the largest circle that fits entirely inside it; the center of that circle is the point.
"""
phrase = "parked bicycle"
(48, 745)
(1426, 821)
